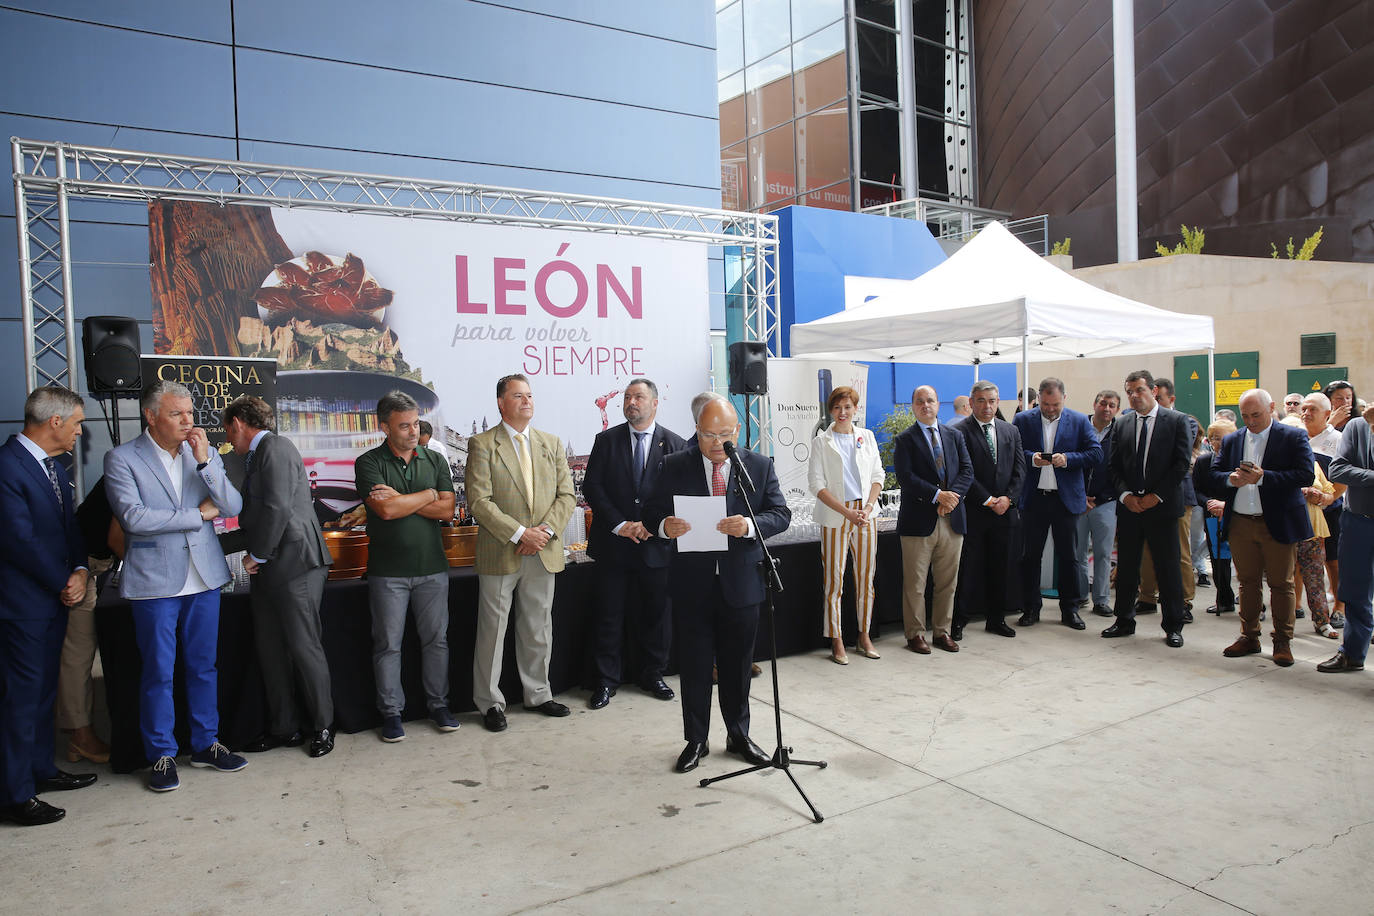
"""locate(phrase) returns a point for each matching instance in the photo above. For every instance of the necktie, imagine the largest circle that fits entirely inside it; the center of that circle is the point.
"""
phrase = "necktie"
(526, 468)
(992, 446)
(51, 466)
(1140, 449)
(639, 458)
(717, 478)
(248, 471)
(939, 455)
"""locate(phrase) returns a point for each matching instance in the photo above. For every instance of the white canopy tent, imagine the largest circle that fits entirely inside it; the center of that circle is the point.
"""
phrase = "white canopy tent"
(994, 300)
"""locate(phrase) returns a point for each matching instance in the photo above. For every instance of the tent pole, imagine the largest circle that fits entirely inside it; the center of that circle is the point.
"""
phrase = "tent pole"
(975, 370)
(1025, 369)
(1211, 384)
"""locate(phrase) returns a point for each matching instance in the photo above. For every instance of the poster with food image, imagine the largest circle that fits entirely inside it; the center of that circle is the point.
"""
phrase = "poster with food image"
(352, 306)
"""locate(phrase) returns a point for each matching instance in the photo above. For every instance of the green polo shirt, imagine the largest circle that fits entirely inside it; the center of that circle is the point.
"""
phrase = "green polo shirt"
(409, 546)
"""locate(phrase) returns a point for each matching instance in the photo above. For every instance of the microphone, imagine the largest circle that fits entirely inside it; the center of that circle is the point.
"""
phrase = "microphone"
(733, 454)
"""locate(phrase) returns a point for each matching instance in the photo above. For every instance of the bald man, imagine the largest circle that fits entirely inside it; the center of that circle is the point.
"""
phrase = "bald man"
(716, 594)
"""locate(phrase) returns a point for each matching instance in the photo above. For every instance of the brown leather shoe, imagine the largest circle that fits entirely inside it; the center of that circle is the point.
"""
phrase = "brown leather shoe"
(1283, 656)
(946, 643)
(918, 645)
(1339, 662)
(1246, 645)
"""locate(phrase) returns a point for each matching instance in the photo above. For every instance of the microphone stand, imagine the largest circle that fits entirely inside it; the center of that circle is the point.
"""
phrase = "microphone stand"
(782, 755)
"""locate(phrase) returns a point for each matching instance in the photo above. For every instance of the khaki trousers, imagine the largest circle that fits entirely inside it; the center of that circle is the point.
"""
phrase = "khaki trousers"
(936, 555)
(1149, 591)
(75, 687)
(1258, 557)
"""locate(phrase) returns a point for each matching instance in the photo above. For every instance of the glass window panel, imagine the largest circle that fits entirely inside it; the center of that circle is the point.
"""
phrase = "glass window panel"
(779, 204)
(766, 28)
(731, 109)
(871, 194)
(821, 74)
(734, 178)
(729, 40)
(881, 11)
(768, 96)
(810, 15)
(935, 77)
(823, 148)
(877, 62)
(934, 155)
(772, 167)
(879, 157)
(933, 20)
(835, 197)
(823, 45)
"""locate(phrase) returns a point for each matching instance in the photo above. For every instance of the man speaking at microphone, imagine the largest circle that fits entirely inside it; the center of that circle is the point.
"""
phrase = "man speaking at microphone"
(716, 593)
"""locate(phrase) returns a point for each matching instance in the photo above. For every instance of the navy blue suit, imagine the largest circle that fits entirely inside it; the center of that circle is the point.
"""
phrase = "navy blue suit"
(716, 595)
(1288, 467)
(614, 488)
(40, 547)
(914, 463)
(1043, 511)
(990, 544)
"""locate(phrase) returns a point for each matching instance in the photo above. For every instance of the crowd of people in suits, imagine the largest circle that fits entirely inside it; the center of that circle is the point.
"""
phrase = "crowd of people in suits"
(1279, 500)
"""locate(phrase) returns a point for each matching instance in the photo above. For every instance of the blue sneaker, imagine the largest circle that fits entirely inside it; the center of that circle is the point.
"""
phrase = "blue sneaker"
(163, 777)
(218, 757)
(443, 719)
(392, 730)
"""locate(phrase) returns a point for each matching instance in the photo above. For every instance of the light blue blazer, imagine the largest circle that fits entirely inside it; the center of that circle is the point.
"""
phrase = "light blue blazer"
(163, 535)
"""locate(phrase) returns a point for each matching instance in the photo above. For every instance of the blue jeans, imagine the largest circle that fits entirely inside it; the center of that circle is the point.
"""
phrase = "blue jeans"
(1097, 527)
(159, 624)
(1356, 585)
(1199, 540)
(427, 599)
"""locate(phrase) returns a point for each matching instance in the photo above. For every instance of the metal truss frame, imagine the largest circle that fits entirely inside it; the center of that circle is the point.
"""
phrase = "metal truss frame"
(49, 174)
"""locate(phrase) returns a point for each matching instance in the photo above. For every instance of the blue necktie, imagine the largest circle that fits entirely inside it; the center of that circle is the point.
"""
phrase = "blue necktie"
(639, 458)
(935, 447)
(248, 471)
(50, 465)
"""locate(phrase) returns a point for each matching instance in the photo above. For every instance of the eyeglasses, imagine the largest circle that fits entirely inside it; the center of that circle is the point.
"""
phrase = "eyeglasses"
(717, 437)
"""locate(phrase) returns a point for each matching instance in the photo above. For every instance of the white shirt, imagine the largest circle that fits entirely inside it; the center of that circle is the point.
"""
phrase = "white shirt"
(1327, 442)
(648, 433)
(849, 466)
(1248, 497)
(1049, 429)
(175, 468)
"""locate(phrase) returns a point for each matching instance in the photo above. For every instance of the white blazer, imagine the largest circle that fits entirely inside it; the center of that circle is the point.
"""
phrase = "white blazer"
(825, 471)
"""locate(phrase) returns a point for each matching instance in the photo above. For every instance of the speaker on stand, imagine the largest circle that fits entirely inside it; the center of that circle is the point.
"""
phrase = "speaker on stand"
(748, 366)
(110, 346)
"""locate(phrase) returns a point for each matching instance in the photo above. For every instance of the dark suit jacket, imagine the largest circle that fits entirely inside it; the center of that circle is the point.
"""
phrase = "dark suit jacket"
(1288, 467)
(914, 463)
(609, 487)
(1005, 477)
(1097, 480)
(1075, 439)
(278, 514)
(1166, 464)
(690, 574)
(40, 543)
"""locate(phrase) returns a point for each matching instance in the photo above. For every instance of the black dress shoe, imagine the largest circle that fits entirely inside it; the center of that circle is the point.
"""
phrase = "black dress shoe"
(550, 708)
(1082, 603)
(1120, 628)
(600, 697)
(691, 756)
(744, 747)
(1203, 581)
(1101, 610)
(1220, 609)
(1073, 621)
(322, 743)
(64, 782)
(956, 633)
(1145, 607)
(1028, 619)
(1187, 615)
(656, 688)
(999, 628)
(31, 813)
(1174, 640)
(494, 720)
(271, 742)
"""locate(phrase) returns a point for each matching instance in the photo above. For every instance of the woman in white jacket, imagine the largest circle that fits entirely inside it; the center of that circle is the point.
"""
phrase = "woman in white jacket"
(846, 475)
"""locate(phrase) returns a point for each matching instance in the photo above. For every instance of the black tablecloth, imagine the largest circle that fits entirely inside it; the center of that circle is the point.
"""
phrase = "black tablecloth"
(348, 645)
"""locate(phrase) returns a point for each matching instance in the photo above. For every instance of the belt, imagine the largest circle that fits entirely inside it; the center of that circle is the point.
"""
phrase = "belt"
(1048, 492)
(1248, 515)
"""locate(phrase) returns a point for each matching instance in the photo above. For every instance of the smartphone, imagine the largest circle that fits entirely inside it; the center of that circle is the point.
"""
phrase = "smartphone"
(1248, 465)
(1046, 456)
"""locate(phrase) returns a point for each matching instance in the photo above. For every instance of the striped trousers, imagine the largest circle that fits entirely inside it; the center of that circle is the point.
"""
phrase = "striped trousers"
(836, 543)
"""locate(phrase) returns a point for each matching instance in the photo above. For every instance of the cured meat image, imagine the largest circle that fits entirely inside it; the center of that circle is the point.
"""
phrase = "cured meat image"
(322, 288)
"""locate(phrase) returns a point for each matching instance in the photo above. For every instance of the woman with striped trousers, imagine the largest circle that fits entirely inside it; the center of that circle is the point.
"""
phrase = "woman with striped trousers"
(846, 475)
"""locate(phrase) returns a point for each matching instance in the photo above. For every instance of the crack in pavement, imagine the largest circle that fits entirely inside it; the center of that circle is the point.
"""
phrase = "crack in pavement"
(1283, 858)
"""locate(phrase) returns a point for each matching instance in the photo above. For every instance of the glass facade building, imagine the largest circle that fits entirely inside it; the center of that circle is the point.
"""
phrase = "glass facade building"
(845, 104)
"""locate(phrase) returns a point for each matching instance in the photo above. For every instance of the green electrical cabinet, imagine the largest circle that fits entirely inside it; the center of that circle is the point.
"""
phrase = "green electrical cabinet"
(1236, 373)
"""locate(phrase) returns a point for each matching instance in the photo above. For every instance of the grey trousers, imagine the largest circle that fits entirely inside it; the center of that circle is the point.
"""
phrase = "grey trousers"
(1097, 532)
(427, 597)
(286, 629)
(529, 593)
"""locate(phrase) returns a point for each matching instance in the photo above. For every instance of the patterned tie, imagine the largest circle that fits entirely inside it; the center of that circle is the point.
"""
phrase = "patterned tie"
(50, 465)
(992, 446)
(639, 458)
(717, 478)
(939, 455)
(526, 468)
(248, 472)
(1140, 447)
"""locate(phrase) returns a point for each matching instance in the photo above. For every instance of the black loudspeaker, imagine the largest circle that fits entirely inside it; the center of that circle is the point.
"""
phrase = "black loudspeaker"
(748, 367)
(110, 344)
